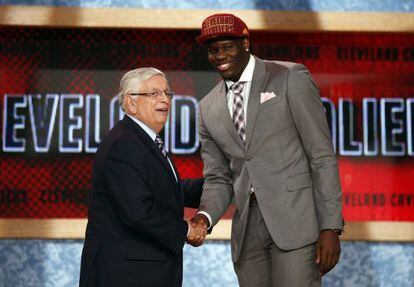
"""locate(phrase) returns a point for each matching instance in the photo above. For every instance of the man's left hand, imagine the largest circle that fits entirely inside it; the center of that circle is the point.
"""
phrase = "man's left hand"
(328, 251)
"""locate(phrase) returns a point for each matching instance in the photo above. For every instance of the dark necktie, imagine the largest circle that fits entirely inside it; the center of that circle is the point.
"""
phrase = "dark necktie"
(160, 145)
(238, 110)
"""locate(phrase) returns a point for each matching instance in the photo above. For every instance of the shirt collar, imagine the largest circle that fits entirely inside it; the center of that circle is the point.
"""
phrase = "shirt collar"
(247, 74)
(146, 128)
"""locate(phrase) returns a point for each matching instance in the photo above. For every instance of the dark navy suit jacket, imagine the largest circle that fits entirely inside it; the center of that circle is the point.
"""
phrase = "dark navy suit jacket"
(135, 232)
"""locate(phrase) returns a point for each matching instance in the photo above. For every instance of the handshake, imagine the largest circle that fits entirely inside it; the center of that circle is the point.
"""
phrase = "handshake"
(198, 230)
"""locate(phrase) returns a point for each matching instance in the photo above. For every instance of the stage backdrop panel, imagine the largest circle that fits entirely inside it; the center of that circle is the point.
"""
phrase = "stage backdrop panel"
(58, 90)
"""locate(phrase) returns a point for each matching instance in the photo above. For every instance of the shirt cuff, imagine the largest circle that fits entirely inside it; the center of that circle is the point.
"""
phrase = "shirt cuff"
(188, 231)
(208, 217)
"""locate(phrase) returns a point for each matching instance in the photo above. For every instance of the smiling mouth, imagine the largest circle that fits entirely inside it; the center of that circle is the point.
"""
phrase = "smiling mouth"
(165, 110)
(223, 67)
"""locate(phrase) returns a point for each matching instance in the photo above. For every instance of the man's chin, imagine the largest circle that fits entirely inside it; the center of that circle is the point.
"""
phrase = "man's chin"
(162, 122)
(226, 75)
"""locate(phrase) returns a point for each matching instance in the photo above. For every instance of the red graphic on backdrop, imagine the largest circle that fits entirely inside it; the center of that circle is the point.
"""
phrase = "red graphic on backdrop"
(46, 158)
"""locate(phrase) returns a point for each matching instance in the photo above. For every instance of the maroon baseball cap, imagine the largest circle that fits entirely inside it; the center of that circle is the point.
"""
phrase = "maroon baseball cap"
(222, 25)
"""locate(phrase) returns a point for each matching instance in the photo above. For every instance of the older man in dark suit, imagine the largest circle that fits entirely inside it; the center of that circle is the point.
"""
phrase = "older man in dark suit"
(136, 231)
(266, 145)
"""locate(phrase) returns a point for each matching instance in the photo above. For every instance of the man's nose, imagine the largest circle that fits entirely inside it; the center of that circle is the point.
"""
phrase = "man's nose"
(221, 54)
(164, 97)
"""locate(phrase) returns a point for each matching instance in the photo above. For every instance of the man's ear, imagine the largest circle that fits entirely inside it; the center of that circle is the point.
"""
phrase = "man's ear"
(130, 105)
(246, 43)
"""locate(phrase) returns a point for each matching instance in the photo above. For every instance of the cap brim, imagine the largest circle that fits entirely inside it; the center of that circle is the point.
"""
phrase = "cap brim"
(203, 39)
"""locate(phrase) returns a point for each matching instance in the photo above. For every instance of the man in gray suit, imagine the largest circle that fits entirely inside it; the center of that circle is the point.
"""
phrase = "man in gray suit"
(266, 146)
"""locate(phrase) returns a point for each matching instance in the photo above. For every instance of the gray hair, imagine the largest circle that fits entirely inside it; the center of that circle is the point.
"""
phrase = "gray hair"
(132, 81)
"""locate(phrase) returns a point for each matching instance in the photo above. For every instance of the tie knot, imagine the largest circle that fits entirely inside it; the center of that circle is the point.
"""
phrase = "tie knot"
(237, 88)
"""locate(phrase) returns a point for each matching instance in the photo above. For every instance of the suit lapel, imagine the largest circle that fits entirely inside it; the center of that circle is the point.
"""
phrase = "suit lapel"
(180, 192)
(164, 161)
(224, 115)
(259, 81)
(152, 145)
(156, 151)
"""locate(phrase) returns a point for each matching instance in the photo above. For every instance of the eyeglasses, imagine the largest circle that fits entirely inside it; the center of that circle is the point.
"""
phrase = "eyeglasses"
(155, 94)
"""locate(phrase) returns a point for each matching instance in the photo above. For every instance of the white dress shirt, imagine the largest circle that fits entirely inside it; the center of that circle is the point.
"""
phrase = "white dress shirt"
(246, 77)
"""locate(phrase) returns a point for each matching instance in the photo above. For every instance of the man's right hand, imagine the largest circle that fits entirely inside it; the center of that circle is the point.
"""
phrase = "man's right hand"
(197, 234)
(201, 220)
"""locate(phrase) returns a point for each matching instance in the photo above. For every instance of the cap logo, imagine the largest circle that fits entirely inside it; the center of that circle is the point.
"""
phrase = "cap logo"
(218, 24)
(222, 25)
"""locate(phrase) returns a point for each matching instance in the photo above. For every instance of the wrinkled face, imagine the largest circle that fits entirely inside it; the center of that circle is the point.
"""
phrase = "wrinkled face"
(151, 110)
(229, 57)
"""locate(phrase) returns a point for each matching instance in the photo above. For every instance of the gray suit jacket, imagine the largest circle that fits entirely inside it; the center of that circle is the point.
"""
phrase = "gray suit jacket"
(288, 158)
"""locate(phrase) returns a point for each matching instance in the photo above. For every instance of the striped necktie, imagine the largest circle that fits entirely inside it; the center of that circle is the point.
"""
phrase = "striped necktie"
(160, 145)
(238, 110)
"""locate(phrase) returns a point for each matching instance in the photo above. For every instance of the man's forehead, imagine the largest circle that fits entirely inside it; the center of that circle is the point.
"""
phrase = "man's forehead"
(154, 80)
(222, 40)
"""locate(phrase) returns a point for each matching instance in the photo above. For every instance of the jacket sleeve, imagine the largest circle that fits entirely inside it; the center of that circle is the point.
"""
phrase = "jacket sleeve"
(310, 120)
(218, 187)
(125, 174)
